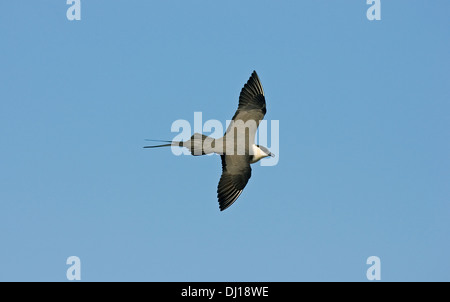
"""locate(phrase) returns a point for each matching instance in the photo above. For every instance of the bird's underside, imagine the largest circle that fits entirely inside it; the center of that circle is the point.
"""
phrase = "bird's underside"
(236, 147)
(236, 169)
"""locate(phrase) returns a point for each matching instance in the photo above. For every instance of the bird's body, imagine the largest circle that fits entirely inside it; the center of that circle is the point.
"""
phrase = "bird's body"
(236, 148)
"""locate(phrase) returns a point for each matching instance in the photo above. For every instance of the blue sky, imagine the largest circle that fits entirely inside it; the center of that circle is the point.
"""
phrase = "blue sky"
(364, 140)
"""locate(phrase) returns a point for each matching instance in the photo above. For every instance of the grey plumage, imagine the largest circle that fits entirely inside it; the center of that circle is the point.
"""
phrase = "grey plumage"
(236, 170)
(236, 148)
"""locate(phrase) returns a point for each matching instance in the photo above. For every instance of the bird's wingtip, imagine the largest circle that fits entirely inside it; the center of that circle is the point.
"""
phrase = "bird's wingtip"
(223, 208)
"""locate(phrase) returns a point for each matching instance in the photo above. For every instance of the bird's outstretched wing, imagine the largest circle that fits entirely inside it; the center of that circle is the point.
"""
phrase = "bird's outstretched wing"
(236, 172)
(251, 110)
(252, 103)
(236, 169)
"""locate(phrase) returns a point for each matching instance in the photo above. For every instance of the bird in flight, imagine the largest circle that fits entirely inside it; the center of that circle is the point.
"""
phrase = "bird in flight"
(236, 148)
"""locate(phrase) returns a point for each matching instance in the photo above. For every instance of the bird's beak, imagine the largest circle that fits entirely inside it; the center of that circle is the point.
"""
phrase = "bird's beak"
(271, 154)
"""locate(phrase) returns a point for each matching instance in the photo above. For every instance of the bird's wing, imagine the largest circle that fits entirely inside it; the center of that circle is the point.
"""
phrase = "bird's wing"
(252, 99)
(252, 103)
(236, 172)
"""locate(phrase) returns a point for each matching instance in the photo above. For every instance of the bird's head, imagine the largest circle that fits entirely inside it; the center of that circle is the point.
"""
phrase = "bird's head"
(266, 152)
(260, 152)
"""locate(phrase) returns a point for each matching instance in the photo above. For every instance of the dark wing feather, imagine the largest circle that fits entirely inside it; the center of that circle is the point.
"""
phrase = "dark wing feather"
(251, 99)
(251, 110)
(236, 169)
(236, 172)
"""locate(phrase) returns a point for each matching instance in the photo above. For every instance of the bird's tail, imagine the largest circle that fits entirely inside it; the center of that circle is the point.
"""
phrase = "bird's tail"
(198, 144)
(170, 143)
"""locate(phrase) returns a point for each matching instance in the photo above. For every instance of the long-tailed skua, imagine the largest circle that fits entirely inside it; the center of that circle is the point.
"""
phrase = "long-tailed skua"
(236, 148)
